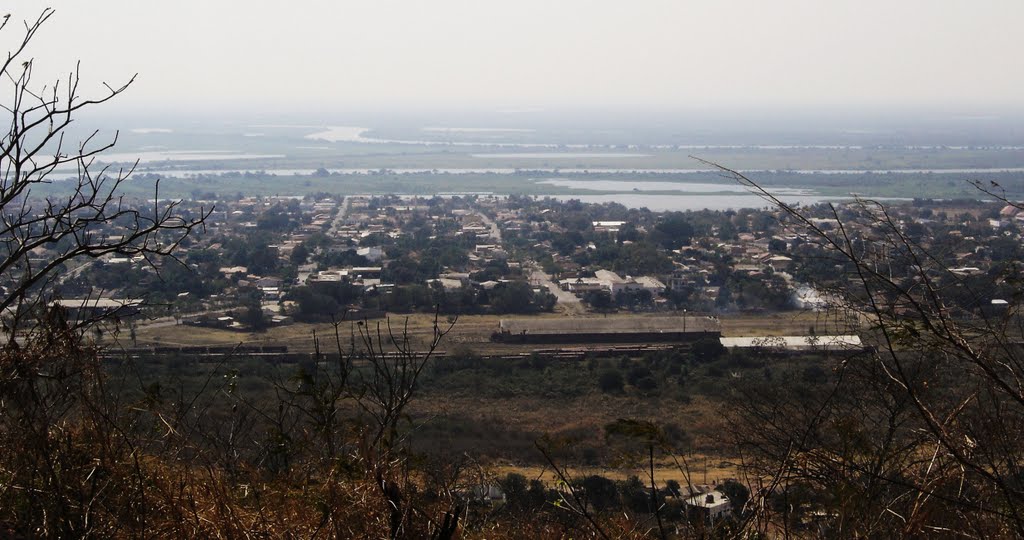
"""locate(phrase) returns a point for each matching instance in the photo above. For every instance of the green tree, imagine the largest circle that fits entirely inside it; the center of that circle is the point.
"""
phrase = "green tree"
(600, 301)
(72, 223)
(252, 316)
(673, 231)
(738, 494)
(516, 491)
(300, 254)
(635, 496)
(600, 492)
(707, 349)
(610, 381)
(514, 297)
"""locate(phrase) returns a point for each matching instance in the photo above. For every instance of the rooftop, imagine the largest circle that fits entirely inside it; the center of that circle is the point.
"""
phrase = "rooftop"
(794, 343)
(96, 303)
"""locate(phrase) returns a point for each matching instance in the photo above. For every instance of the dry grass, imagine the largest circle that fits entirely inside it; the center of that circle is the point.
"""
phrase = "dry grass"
(580, 422)
(664, 470)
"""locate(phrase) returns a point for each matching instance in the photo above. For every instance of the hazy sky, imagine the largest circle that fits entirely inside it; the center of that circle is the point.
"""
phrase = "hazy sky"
(525, 53)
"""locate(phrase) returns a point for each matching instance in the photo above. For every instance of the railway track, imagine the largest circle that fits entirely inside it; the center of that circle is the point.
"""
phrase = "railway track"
(281, 353)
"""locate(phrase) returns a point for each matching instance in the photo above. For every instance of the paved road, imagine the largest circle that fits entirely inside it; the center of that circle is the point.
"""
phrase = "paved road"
(495, 230)
(78, 270)
(339, 220)
(163, 322)
(566, 299)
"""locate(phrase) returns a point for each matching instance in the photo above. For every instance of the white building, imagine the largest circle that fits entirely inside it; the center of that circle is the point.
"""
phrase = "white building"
(714, 503)
(608, 226)
(615, 283)
(372, 254)
(651, 284)
(795, 343)
(611, 281)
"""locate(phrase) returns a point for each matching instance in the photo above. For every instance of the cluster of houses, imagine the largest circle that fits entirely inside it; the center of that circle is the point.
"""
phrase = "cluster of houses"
(363, 227)
(606, 280)
(763, 250)
(347, 227)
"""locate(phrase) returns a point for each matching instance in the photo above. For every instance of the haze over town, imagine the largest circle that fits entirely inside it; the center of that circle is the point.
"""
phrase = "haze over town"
(342, 56)
(458, 269)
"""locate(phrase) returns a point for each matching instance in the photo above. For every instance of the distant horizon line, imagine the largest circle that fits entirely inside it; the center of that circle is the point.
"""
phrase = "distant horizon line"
(959, 112)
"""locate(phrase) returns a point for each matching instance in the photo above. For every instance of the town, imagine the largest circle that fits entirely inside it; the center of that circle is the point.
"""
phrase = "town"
(550, 302)
(470, 270)
(266, 261)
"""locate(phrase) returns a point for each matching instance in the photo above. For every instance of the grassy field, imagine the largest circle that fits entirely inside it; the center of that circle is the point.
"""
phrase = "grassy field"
(430, 157)
(951, 185)
(703, 469)
(390, 157)
(496, 410)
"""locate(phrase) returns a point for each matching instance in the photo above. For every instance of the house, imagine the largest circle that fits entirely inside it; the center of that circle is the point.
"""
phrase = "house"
(447, 284)
(779, 262)
(490, 251)
(608, 226)
(264, 282)
(229, 271)
(98, 307)
(582, 285)
(650, 284)
(364, 271)
(326, 276)
(611, 281)
(372, 254)
(710, 506)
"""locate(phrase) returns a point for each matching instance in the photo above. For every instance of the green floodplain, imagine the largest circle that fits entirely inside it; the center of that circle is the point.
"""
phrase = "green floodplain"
(291, 161)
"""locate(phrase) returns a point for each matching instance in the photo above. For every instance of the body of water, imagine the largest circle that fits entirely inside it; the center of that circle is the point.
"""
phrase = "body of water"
(559, 155)
(151, 157)
(185, 173)
(355, 134)
(640, 185)
(909, 171)
(495, 130)
(669, 203)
